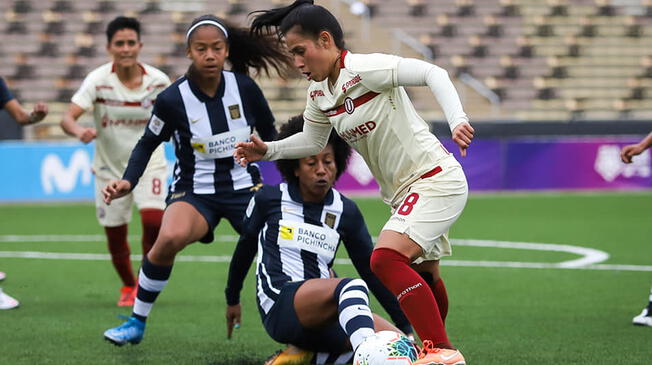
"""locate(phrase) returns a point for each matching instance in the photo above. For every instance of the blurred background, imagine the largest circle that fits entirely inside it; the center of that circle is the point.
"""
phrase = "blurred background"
(553, 87)
(552, 253)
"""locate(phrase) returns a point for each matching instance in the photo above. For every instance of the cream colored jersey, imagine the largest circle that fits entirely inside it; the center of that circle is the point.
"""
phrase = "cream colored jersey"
(121, 115)
(375, 116)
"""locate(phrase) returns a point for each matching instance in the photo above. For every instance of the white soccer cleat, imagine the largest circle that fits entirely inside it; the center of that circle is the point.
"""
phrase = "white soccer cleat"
(2, 276)
(7, 302)
(643, 319)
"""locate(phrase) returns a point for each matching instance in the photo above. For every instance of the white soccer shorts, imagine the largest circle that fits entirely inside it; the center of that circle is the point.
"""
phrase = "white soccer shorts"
(150, 193)
(426, 212)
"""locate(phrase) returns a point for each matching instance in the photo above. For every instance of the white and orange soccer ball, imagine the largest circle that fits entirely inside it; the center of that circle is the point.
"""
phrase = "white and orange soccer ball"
(385, 348)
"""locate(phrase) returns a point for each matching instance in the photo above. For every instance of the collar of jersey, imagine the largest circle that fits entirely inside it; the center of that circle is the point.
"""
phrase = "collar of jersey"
(202, 96)
(295, 194)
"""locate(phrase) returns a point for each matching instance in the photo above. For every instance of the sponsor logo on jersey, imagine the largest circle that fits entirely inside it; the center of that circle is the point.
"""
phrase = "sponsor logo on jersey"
(287, 233)
(234, 110)
(177, 195)
(354, 81)
(147, 103)
(156, 125)
(330, 220)
(359, 132)
(315, 93)
(201, 147)
(107, 122)
(349, 106)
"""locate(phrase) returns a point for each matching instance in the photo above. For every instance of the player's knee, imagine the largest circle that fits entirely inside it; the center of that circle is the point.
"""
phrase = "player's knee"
(171, 240)
(376, 262)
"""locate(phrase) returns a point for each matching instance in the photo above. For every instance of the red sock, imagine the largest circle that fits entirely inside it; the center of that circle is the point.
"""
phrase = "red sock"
(439, 290)
(151, 220)
(119, 249)
(413, 294)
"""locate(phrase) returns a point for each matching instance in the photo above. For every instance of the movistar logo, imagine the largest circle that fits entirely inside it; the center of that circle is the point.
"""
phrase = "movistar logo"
(56, 176)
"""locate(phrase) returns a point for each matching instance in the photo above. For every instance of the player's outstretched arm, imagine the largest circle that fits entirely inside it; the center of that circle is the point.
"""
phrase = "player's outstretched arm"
(308, 142)
(72, 128)
(632, 150)
(246, 152)
(413, 72)
(115, 189)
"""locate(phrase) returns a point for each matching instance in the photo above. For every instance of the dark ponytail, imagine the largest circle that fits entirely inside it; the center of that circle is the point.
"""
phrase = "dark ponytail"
(312, 19)
(248, 50)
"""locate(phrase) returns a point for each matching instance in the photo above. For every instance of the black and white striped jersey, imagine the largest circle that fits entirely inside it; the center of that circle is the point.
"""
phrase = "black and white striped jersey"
(297, 240)
(204, 131)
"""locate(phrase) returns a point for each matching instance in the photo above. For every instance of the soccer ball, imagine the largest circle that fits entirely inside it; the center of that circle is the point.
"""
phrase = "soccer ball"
(385, 348)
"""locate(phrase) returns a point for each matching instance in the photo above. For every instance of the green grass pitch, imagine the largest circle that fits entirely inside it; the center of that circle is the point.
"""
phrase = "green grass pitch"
(498, 315)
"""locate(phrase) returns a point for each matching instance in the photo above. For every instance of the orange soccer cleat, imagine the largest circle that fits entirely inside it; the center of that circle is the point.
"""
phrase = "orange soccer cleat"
(430, 355)
(127, 296)
(290, 356)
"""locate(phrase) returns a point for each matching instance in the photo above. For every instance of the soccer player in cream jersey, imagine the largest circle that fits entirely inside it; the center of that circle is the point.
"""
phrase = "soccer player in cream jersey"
(121, 94)
(362, 97)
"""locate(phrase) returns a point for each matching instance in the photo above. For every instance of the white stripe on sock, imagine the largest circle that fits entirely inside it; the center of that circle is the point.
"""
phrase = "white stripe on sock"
(354, 294)
(150, 284)
(142, 308)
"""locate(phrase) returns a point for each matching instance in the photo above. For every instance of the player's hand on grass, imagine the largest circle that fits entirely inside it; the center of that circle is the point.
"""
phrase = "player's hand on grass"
(246, 152)
(86, 134)
(233, 313)
(462, 135)
(38, 113)
(630, 151)
(115, 189)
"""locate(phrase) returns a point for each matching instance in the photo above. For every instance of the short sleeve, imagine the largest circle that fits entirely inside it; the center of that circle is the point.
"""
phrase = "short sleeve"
(378, 71)
(85, 96)
(5, 94)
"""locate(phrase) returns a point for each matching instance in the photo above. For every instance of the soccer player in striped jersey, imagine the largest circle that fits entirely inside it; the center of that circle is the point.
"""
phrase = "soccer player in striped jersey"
(205, 113)
(362, 97)
(23, 117)
(121, 94)
(296, 228)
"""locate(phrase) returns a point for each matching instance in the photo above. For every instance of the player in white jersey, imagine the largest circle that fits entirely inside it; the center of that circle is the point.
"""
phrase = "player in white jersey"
(121, 94)
(362, 97)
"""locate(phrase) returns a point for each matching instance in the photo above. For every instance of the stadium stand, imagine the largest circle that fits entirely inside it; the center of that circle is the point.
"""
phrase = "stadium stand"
(512, 59)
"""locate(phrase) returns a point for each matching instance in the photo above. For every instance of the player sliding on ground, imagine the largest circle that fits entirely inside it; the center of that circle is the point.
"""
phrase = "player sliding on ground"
(362, 97)
(298, 226)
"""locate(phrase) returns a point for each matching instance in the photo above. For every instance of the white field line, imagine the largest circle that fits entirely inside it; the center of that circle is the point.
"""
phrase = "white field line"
(590, 258)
